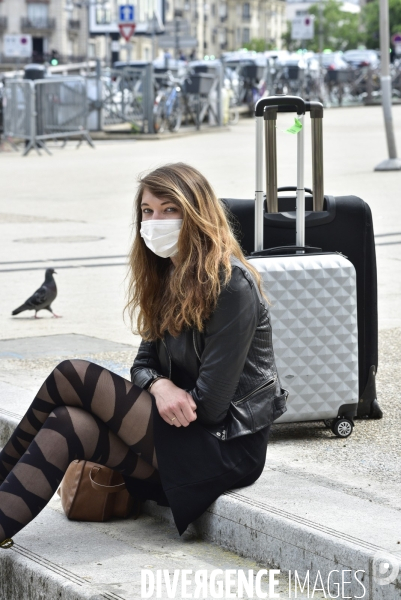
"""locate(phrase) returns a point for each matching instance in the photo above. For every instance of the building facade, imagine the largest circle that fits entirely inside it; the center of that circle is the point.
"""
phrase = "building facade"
(226, 25)
(196, 28)
(55, 31)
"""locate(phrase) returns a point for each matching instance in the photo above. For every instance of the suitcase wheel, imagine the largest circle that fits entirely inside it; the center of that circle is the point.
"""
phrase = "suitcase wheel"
(342, 427)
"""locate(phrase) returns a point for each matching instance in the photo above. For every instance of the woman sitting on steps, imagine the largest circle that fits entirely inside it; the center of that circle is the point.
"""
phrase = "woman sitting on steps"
(195, 420)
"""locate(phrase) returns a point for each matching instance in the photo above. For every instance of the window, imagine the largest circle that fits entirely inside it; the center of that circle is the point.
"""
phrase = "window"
(103, 15)
(246, 11)
(38, 14)
(223, 10)
(246, 35)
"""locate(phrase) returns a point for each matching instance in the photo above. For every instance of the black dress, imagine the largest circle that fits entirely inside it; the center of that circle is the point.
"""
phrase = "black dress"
(195, 467)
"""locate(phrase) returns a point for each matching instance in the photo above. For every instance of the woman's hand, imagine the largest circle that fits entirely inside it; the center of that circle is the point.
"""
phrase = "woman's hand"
(175, 405)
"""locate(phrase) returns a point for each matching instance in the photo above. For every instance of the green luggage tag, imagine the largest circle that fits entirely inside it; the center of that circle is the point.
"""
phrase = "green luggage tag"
(296, 128)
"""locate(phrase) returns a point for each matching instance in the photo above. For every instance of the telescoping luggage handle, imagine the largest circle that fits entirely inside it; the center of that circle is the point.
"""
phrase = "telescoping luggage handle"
(266, 110)
(281, 250)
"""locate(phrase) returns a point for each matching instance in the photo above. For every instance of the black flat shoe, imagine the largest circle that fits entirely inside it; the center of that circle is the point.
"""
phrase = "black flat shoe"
(8, 543)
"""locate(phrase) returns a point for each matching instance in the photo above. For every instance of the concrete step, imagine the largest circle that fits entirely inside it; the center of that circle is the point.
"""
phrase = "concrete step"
(288, 520)
(54, 558)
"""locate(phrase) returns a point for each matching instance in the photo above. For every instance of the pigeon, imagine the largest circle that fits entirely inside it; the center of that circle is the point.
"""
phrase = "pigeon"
(42, 298)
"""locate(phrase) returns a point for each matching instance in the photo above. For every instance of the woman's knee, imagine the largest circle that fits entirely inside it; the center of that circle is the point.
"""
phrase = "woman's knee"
(72, 415)
(63, 414)
(74, 421)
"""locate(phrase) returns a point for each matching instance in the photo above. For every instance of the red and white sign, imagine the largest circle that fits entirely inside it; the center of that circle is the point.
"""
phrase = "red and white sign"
(127, 30)
(302, 28)
(18, 46)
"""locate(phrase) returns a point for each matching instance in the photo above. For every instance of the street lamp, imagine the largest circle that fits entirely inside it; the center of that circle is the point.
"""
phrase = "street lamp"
(392, 163)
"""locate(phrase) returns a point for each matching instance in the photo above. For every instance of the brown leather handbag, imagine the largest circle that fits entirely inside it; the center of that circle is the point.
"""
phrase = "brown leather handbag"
(92, 492)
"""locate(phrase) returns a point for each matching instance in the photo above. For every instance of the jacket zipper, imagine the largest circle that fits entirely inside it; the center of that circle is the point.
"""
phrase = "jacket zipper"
(260, 387)
(169, 358)
(196, 350)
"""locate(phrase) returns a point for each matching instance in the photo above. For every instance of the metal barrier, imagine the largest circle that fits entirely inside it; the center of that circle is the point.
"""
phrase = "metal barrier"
(127, 95)
(18, 111)
(58, 108)
(204, 95)
(45, 109)
(61, 108)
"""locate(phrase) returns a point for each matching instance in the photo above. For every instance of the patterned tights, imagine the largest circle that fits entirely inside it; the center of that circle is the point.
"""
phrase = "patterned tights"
(82, 411)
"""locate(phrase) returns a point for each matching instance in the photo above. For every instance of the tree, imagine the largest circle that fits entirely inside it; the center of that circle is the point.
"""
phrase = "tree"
(341, 30)
(258, 45)
(371, 21)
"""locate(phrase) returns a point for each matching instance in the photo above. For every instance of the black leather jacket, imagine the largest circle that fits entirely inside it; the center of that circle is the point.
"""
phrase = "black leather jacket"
(229, 368)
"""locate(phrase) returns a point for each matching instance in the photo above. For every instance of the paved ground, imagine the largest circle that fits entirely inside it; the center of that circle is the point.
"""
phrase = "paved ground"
(73, 211)
(77, 204)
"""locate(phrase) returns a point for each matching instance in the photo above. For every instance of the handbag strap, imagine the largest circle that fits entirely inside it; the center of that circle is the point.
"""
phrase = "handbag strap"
(110, 489)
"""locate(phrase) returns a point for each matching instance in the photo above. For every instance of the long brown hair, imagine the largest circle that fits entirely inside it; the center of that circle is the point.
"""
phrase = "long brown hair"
(161, 298)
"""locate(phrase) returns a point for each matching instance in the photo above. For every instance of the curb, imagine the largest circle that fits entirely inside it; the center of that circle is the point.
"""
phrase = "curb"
(271, 536)
(25, 574)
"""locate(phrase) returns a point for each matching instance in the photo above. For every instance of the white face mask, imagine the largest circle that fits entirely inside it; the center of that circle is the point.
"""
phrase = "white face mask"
(161, 236)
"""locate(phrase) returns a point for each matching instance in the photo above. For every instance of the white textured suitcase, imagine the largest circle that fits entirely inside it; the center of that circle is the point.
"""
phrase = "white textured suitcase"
(313, 303)
(315, 336)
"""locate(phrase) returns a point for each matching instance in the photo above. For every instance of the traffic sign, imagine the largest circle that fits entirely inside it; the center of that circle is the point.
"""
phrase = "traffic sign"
(18, 46)
(303, 28)
(126, 14)
(127, 31)
(396, 38)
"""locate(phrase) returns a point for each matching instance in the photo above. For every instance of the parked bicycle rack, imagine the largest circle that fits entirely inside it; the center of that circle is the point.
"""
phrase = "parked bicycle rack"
(301, 77)
(153, 100)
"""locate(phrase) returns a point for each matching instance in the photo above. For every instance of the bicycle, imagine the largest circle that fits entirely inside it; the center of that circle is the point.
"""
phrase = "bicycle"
(255, 91)
(167, 108)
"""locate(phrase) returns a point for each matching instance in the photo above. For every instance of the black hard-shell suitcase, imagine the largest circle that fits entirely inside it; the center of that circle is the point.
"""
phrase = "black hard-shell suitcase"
(344, 225)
